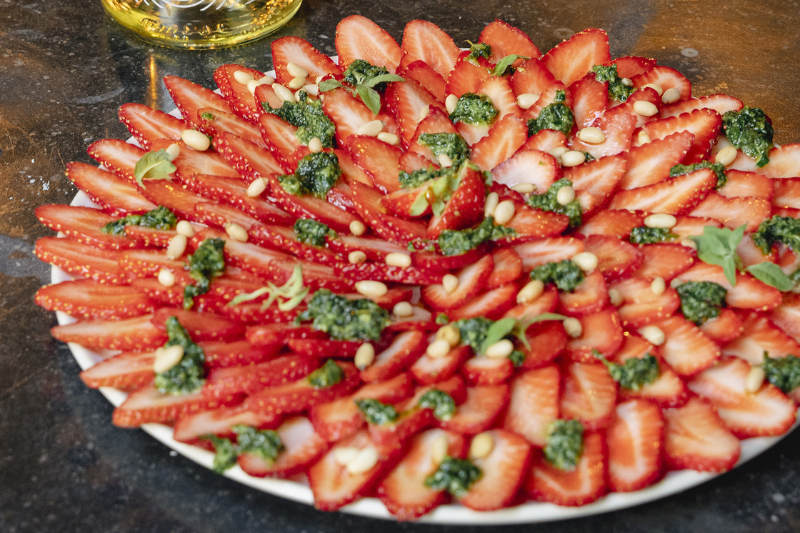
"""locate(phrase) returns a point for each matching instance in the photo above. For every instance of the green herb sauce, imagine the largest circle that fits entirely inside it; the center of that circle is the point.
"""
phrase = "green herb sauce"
(450, 144)
(549, 202)
(158, 218)
(361, 71)
(701, 300)
(205, 264)
(645, 235)
(316, 174)
(634, 373)
(777, 229)
(266, 444)
(443, 405)
(783, 372)
(556, 116)
(346, 319)
(750, 131)
(718, 168)
(565, 444)
(188, 375)
(312, 232)
(376, 412)
(327, 375)
(565, 274)
(457, 242)
(308, 117)
(616, 89)
(455, 476)
(475, 109)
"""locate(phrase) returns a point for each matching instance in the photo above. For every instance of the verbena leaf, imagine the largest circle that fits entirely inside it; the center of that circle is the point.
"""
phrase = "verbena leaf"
(383, 78)
(248, 296)
(371, 98)
(717, 246)
(153, 166)
(506, 62)
(329, 85)
(526, 322)
(772, 275)
(497, 331)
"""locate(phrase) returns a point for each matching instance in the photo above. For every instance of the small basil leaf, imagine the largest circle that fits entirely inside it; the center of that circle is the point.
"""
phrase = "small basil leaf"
(717, 246)
(497, 331)
(328, 85)
(506, 62)
(153, 166)
(371, 98)
(383, 78)
(772, 275)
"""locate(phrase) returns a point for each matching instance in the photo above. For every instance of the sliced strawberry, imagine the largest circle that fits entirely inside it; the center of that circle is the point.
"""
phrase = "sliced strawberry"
(250, 160)
(589, 100)
(501, 95)
(668, 390)
(491, 304)
(436, 121)
(533, 404)
(423, 40)
(376, 249)
(763, 413)
(175, 197)
(479, 411)
(147, 405)
(786, 316)
(464, 208)
(315, 276)
(82, 224)
(664, 260)
(219, 215)
(583, 485)
(507, 268)
(250, 379)
(118, 197)
(147, 263)
(189, 97)
(428, 370)
(217, 122)
(323, 347)
(302, 446)
(405, 349)
(601, 331)
(666, 78)
(301, 52)
(674, 196)
(389, 227)
(695, 437)
(648, 95)
(504, 138)
(688, 226)
(471, 280)
(704, 124)
(382, 272)
(733, 212)
(744, 184)
(379, 159)
(84, 298)
(723, 328)
(615, 223)
(193, 427)
(81, 260)
(635, 440)
(423, 74)
(650, 163)
(758, 335)
(507, 40)
(721, 103)
(486, 371)
(264, 97)
(528, 166)
(616, 258)
(221, 354)
(147, 124)
(570, 60)
(551, 250)
(589, 394)
(504, 470)
(117, 156)
(201, 326)
(407, 100)
(784, 162)
(617, 125)
(280, 138)
(278, 334)
(308, 206)
(532, 224)
(285, 238)
(749, 293)
(590, 296)
(358, 37)
(595, 181)
(545, 141)
(686, 349)
(233, 191)
(236, 93)
(127, 370)
(641, 306)
(547, 341)
(630, 66)
(190, 162)
(466, 77)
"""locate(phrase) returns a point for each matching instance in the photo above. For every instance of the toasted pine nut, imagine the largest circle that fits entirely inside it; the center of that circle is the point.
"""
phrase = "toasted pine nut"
(176, 246)
(657, 88)
(500, 349)
(243, 77)
(256, 187)
(185, 228)
(626, 82)
(643, 137)
(365, 355)
(356, 258)
(312, 89)
(450, 333)
(166, 277)
(423, 113)
(315, 145)
(645, 108)
(344, 455)
(284, 94)
(524, 188)
(438, 349)
(572, 158)
(450, 283)
(439, 448)
(504, 212)
(196, 140)
(615, 297)
(236, 232)
(565, 195)
(586, 261)
(445, 161)
(398, 259)
(481, 446)
(296, 83)
(167, 357)
(364, 460)
(573, 327)
(371, 289)
(592, 135)
(173, 151)
(252, 85)
(450, 103)
(726, 156)
(755, 378)
(532, 290)
(389, 138)
(296, 70)
(676, 282)
(357, 228)
(660, 220)
(689, 243)
(671, 96)
(653, 335)
(658, 286)
(403, 309)
(492, 199)
(558, 151)
(371, 128)
(527, 100)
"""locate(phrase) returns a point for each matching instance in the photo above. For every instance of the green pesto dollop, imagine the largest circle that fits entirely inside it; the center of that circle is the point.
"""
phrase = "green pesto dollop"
(316, 174)
(778, 229)
(783, 372)
(376, 412)
(457, 242)
(718, 168)
(312, 232)
(361, 71)
(450, 144)
(473, 331)
(477, 50)
(308, 117)
(265, 443)
(205, 115)
(474, 109)
(188, 375)
(556, 116)
(207, 262)
(455, 476)
(327, 375)
(565, 274)
(549, 202)
(616, 89)
(443, 405)
(158, 218)
(345, 319)
(701, 300)
(750, 131)
(442, 319)
(225, 453)
(645, 235)
(634, 373)
(565, 444)
(418, 177)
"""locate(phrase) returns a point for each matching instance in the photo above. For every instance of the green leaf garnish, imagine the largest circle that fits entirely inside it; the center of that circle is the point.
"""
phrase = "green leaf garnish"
(502, 65)
(383, 78)
(717, 246)
(772, 275)
(289, 295)
(329, 85)
(370, 97)
(153, 166)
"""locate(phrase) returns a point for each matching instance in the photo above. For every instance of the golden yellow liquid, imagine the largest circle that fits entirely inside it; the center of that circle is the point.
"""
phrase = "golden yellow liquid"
(202, 23)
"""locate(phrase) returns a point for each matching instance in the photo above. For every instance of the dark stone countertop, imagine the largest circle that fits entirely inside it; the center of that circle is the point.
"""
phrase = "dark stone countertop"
(65, 68)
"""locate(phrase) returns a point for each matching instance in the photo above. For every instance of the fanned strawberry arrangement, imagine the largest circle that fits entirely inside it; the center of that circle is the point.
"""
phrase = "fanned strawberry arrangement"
(433, 275)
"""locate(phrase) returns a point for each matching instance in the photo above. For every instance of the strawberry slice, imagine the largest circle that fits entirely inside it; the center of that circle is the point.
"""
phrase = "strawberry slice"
(551, 250)
(250, 379)
(504, 470)
(733, 212)
(349, 113)
(784, 162)
(437, 121)
(787, 191)
(640, 306)
(583, 485)
(117, 156)
(532, 224)
(323, 347)
(545, 141)
(423, 74)
(721, 103)
(175, 197)
(407, 100)
(507, 40)
(376, 249)
(674, 196)
(545, 303)
(501, 95)
(147, 124)
(533, 77)
(616, 258)
(147, 263)
(686, 349)
(617, 125)
(485, 371)
(668, 390)
(695, 437)
(389, 227)
(589, 100)
(308, 206)
(315, 276)
(427, 370)
(589, 297)
(464, 208)
(125, 371)
(379, 159)
(528, 166)
(466, 76)
(504, 138)
(403, 490)
(635, 440)
(301, 52)
(423, 40)
(596, 180)
(190, 162)
(221, 354)
(666, 78)
(704, 124)
(189, 97)
(82, 224)
(201, 326)
(217, 122)
(664, 260)
(147, 405)
(786, 316)
(81, 260)
(650, 163)
(723, 328)
(358, 37)
(749, 293)
(533, 404)
(614, 223)
(302, 446)
(630, 66)
(743, 184)
(381, 272)
(280, 138)
(547, 341)
(237, 94)
(570, 60)
(278, 334)
(85, 298)
(285, 238)
(646, 95)
(404, 350)
(191, 428)
(491, 304)
(233, 191)
(117, 197)
(601, 331)
(758, 335)
(214, 214)
(507, 268)
(479, 411)
(589, 394)
(763, 413)
(250, 160)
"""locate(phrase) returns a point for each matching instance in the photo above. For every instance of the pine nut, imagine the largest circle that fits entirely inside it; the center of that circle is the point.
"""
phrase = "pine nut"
(626, 82)
(243, 77)
(185, 228)
(565, 195)
(653, 335)
(371, 128)
(252, 85)
(283, 94)
(450, 283)
(592, 135)
(296, 70)
(166, 277)
(173, 151)
(344, 454)
(573, 327)
(389, 138)
(196, 140)
(558, 151)
(492, 199)
(755, 378)
(371, 289)
(256, 187)
(167, 357)
(586, 261)
(439, 448)
(357, 228)
(449, 333)
(315, 145)
(356, 258)
(365, 355)
(658, 286)
(527, 100)
(364, 460)
(423, 113)
(524, 188)
(532, 290)
(671, 96)
(311, 89)
(689, 243)
(572, 158)
(504, 212)
(445, 161)
(402, 309)
(176, 246)
(726, 156)
(500, 349)
(319, 79)
(615, 297)
(660, 220)
(450, 103)
(481, 446)
(296, 83)
(236, 232)
(645, 108)
(657, 88)
(398, 259)
(438, 349)
(643, 137)
(675, 283)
